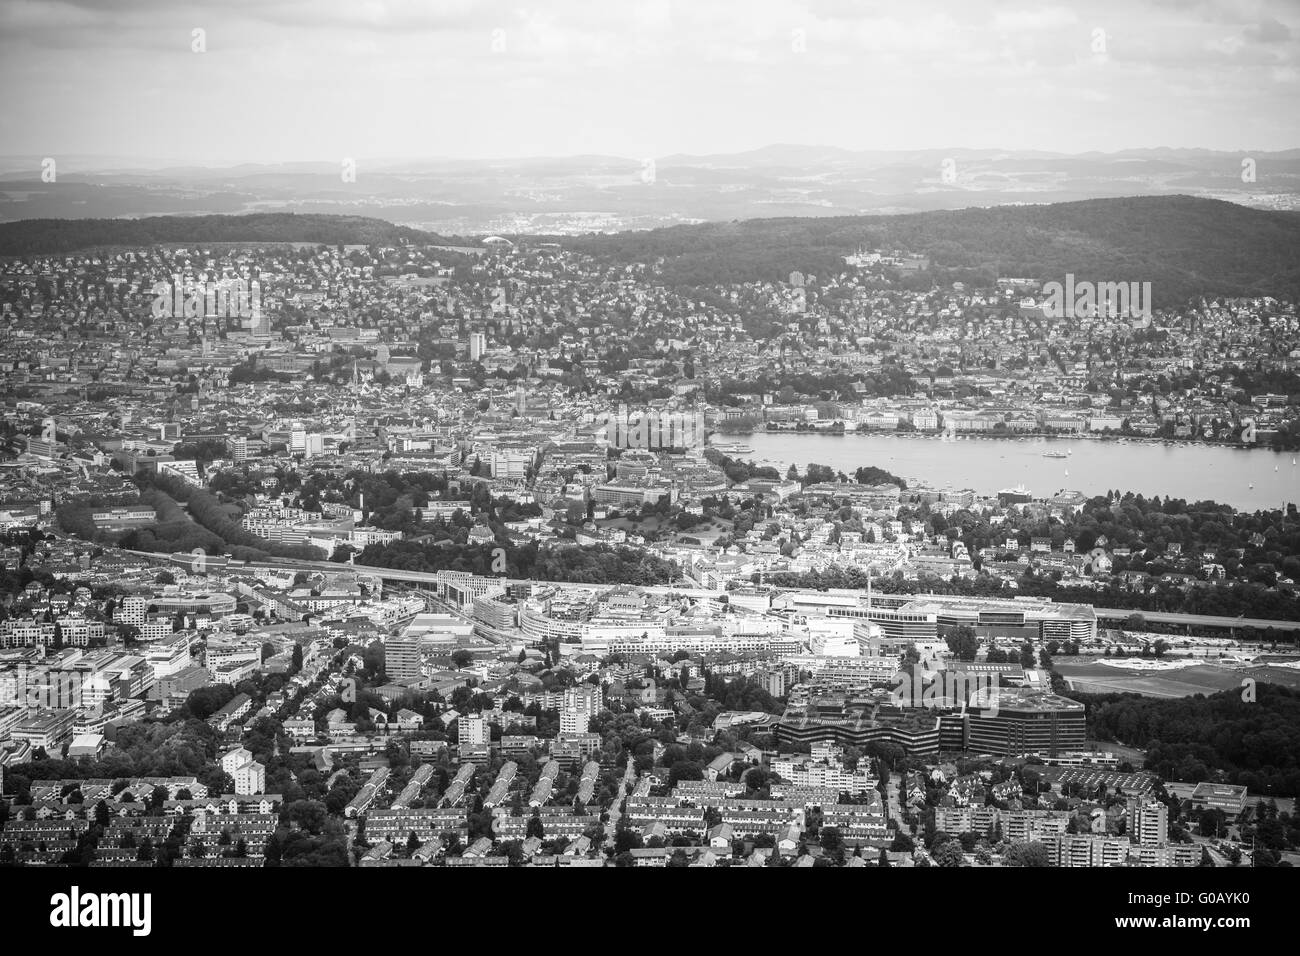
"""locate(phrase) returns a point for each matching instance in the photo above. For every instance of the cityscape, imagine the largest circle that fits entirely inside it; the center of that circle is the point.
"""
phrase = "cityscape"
(957, 537)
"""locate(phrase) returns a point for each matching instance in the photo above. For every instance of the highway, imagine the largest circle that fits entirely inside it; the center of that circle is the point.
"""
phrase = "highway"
(422, 577)
(429, 577)
(1206, 620)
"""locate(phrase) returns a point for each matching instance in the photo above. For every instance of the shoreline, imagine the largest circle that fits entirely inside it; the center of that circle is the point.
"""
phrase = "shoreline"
(1018, 436)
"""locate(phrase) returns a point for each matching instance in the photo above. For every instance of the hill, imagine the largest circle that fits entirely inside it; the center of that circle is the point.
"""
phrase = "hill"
(44, 236)
(1182, 245)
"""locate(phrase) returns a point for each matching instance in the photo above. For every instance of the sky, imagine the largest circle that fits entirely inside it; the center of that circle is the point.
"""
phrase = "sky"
(298, 80)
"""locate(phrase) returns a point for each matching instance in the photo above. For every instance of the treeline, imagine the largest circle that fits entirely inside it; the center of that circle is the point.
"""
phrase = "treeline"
(739, 472)
(171, 531)
(1221, 600)
(1258, 546)
(888, 379)
(597, 564)
(180, 748)
(1184, 246)
(1253, 742)
(224, 533)
(43, 236)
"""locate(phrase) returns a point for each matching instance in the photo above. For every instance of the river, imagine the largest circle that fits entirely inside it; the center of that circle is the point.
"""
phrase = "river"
(1247, 479)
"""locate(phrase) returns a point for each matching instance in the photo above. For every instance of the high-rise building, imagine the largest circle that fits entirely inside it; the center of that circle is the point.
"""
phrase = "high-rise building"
(581, 701)
(1148, 822)
(402, 657)
(477, 346)
(574, 722)
(474, 730)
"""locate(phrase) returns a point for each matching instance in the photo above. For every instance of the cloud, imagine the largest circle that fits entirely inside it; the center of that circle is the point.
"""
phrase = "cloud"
(323, 78)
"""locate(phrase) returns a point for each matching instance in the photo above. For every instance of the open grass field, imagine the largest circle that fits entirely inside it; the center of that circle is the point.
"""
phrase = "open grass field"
(1090, 677)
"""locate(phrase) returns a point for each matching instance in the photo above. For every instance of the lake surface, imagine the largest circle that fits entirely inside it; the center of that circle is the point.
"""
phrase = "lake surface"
(987, 465)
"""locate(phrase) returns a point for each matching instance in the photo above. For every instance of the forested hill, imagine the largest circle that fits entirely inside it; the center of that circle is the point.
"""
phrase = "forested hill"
(43, 236)
(1182, 245)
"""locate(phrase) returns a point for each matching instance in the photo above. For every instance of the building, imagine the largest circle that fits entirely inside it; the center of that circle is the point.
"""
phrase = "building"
(856, 721)
(1086, 849)
(474, 730)
(171, 655)
(249, 775)
(45, 729)
(1026, 722)
(402, 657)
(1229, 798)
(1148, 822)
(477, 346)
(237, 707)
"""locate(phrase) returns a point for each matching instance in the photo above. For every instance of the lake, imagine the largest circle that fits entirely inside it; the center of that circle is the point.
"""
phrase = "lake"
(1093, 466)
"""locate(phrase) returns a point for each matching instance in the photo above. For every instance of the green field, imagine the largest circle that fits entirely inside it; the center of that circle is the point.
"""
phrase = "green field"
(1087, 676)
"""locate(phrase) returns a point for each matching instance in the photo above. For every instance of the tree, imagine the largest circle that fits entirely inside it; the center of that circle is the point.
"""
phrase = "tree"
(534, 828)
(832, 843)
(308, 815)
(684, 770)
(963, 643)
(949, 854)
(462, 658)
(1029, 853)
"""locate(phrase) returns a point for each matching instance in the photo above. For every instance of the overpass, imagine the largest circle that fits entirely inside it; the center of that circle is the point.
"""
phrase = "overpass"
(431, 578)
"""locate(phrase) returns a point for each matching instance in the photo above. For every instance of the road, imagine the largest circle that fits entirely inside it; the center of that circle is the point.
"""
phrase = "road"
(894, 809)
(1205, 620)
(629, 776)
(429, 577)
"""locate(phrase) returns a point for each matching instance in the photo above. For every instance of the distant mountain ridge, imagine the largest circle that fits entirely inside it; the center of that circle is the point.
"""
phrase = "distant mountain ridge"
(577, 194)
(45, 236)
(1184, 246)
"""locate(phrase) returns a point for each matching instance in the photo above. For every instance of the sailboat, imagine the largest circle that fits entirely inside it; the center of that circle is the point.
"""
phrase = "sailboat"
(1067, 473)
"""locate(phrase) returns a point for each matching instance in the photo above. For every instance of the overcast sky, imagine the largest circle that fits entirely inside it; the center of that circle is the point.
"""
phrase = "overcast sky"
(323, 79)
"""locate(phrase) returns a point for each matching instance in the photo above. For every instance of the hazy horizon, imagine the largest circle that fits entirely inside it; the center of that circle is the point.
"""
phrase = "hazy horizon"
(73, 163)
(294, 81)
